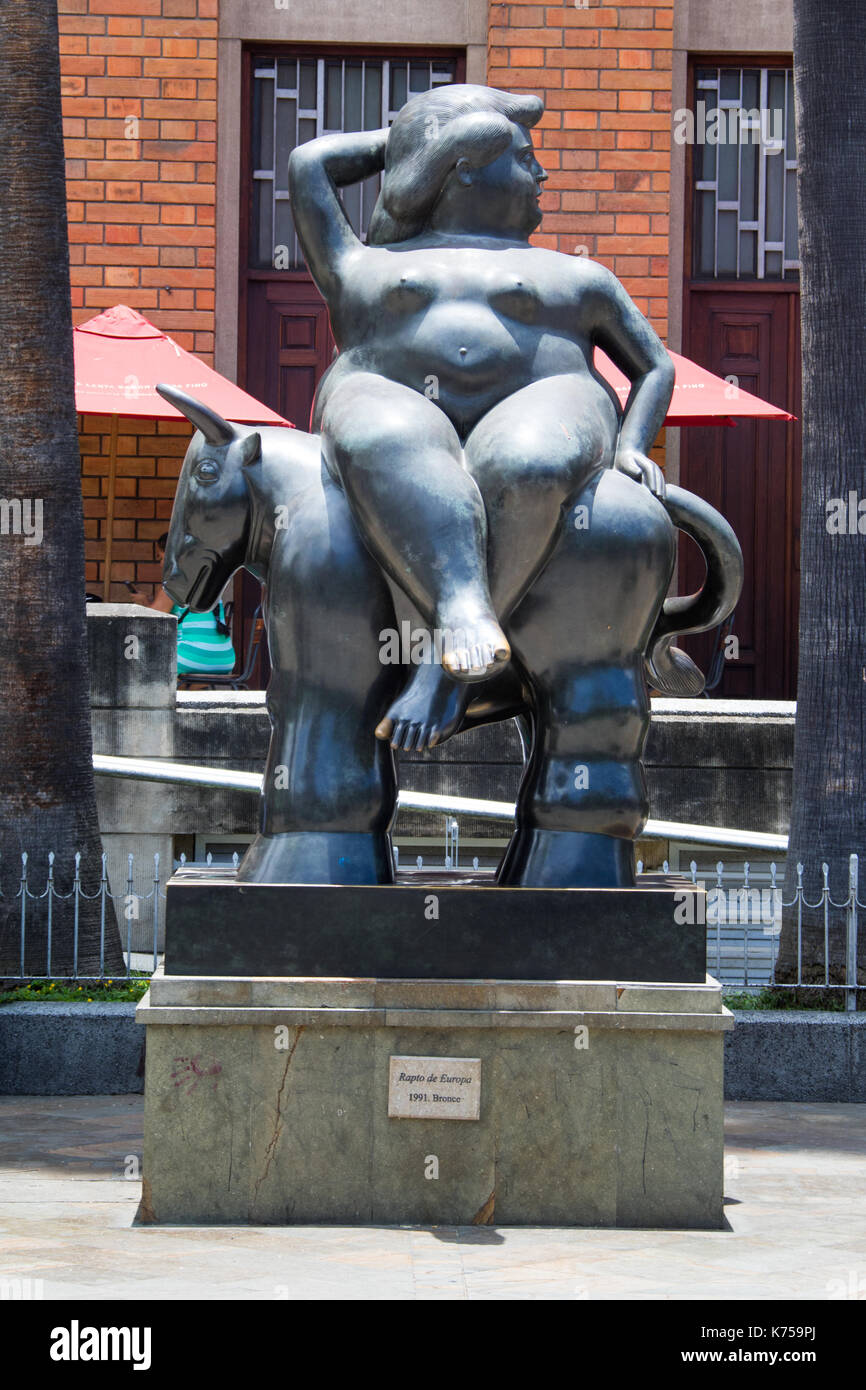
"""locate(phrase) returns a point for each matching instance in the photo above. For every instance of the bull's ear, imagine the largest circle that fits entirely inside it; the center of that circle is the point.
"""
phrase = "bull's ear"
(251, 448)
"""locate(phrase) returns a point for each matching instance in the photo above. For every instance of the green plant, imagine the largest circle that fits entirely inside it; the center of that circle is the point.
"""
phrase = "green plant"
(766, 998)
(72, 992)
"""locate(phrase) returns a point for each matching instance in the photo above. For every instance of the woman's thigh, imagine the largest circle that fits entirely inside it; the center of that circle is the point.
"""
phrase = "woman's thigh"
(370, 420)
(550, 436)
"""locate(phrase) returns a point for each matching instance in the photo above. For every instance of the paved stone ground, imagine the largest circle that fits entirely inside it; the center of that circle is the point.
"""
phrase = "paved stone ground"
(796, 1175)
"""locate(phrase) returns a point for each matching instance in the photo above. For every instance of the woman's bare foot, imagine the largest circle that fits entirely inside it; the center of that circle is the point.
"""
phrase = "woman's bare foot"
(428, 711)
(474, 648)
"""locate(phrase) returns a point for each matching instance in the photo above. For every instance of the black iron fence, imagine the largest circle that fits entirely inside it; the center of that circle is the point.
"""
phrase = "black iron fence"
(745, 910)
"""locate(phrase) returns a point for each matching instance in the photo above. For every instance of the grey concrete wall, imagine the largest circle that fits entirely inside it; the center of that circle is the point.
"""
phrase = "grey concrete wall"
(784, 1055)
(722, 762)
(737, 27)
(70, 1050)
(133, 680)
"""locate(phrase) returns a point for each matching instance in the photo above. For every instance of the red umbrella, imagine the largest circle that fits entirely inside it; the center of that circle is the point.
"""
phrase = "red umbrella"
(700, 397)
(119, 358)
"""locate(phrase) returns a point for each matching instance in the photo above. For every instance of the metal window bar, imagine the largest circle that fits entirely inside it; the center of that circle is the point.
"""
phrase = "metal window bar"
(284, 136)
(708, 88)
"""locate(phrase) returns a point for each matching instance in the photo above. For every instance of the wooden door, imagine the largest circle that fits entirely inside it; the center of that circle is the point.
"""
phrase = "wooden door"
(290, 346)
(742, 320)
(751, 473)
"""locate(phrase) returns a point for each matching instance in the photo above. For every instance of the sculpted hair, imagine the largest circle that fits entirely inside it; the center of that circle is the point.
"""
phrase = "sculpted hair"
(429, 135)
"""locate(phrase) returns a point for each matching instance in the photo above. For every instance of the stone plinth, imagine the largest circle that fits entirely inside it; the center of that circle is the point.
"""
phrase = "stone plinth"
(267, 1103)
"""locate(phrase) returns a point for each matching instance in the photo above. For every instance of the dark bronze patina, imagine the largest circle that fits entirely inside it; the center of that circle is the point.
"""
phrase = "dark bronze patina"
(469, 473)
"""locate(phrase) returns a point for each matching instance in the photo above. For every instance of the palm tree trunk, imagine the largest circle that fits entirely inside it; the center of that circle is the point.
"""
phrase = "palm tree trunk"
(828, 818)
(47, 798)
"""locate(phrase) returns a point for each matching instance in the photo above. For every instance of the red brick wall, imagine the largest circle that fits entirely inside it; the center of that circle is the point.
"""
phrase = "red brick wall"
(149, 457)
(604, 73)
(139, 108)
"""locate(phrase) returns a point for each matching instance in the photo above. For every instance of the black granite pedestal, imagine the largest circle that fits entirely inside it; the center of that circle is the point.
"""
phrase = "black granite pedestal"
(216, 926)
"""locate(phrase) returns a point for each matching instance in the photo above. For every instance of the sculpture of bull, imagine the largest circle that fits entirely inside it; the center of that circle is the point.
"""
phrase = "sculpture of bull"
(262, 499)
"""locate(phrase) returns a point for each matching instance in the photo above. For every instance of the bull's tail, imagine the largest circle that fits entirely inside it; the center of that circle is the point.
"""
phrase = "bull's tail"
(669, 669)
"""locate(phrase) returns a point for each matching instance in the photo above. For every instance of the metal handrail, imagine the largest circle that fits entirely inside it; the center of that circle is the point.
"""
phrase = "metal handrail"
(228, 779)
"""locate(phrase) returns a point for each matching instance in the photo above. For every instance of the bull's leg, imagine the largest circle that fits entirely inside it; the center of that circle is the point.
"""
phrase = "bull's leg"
(330, 788)
(329, 794)
(581, 635)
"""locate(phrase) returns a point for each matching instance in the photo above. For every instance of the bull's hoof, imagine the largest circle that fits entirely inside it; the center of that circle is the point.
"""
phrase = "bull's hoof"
(310, 856)
(567, 859)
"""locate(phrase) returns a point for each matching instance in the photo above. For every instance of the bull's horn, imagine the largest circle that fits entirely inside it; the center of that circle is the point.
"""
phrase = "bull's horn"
(215, 429)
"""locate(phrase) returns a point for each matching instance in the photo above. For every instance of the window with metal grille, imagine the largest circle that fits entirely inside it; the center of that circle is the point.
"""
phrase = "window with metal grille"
(745, 174)
(298, 99)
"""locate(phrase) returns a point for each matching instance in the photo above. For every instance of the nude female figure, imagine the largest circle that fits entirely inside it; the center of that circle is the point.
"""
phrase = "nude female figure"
(463, 413)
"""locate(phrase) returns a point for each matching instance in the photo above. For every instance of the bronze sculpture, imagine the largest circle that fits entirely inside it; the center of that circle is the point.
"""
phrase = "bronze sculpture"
(469, 472)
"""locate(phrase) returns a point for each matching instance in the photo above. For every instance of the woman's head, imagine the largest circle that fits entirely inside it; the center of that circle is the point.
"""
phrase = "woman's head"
(450, 130)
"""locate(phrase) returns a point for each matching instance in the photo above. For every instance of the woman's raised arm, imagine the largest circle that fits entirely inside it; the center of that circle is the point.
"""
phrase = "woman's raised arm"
(316, 170)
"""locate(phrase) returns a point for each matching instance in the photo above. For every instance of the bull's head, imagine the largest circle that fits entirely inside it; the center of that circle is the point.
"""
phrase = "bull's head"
(207, 539)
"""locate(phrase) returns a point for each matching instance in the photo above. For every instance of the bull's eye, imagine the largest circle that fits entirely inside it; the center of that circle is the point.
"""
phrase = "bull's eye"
(207, 471)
